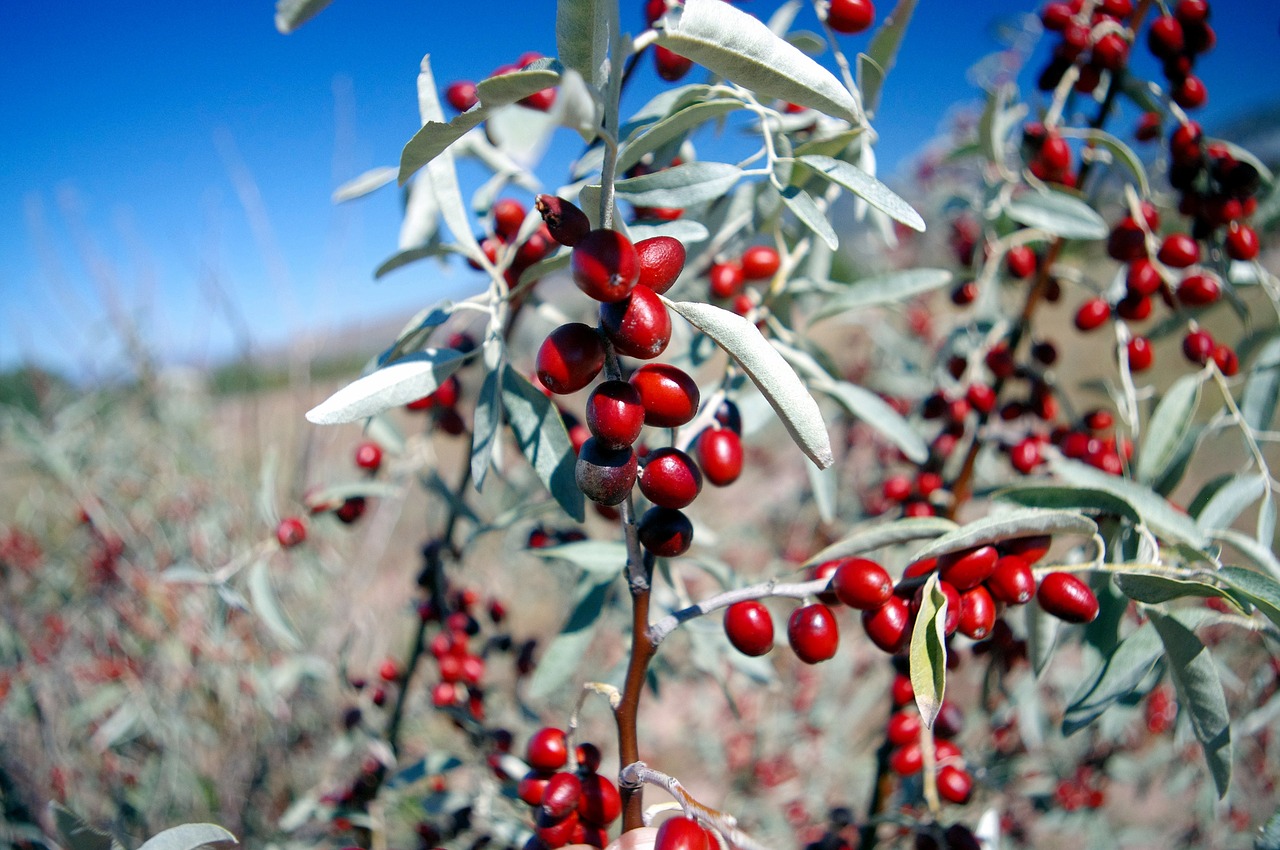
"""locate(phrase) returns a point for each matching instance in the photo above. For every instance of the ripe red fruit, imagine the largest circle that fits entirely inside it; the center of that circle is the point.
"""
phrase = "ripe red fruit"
(887, 625)
(665, 532)
(1133, 308)
(681, 833)
(812, 633)
(964, 294)
(588, 756)
(749, 627)
(639, 325)
(369, 456)
(897, 488)
(532, 785)
(605, 475)
(389, 671)
(977, 613)
(1029, 549)
(1190, 92)
(1140, 354)
(1197, 346)
(556, 833)
(600, 803)
(967, 568)
(1025, 455)
(1056, 16)
(760, 262)
(547, 750)
(1164, 38)
(670, 478)
(726, 279)
(1198, 290)
(670, 397)
(719, 452)
(1111, 52)
(1067, 598)
(1179, 250)
(350, 510)
(1192, 11)
(907, 760)
(508, 215)
(661, 261)
(851, 17)
(1241, 242)
(955, 785)
(1020, 261)
(862, 584)
(1141, 278)
(1012, 581)
(561, 795)
(901, 690)
(1225, 359)
(670, 66)
(567, 224)
(1092, 314)
(291, 531)
(570, 358)
(903, 728)
(461, 95)
(615, 414)
(981, 397)
(605, 265)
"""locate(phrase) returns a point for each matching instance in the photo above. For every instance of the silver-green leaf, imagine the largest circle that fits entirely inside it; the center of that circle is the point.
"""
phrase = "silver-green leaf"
(191, 836)
(1059, 214)
(1170, 422)
(1026, 522)
(866, 187)
(543, 440)
(405, 380)
(888, 288)
(681, 186)
(928, 652)
(291, 14)
(879, 414)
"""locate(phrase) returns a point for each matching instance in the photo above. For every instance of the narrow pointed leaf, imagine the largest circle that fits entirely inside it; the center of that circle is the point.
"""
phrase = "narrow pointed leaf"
(1230, 501)
(1169, 423)
(604, 559)
(1261, 556)
(1059, 214)
(673, 127)
(1027, 522)
(1262, 591)
(681, 186)
(866, 187)
(1126, 668)
(543, 439)
(1261, 388)
(882, 53)
(371, 181)
(804, 208)
(584, 29)
(889, 288)
(485, 428)
(291, 14)
(776, 380)
(877, 535)
(267, 606)
(740, 48)
(879, 414)
(1154, 510)
(566, 651)
(405, 380)
(1200, 693)
(928, 653)
(191, 836)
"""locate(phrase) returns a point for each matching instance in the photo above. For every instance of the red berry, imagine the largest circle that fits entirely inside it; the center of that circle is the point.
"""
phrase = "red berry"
(1092, 314)
(1192, 11)
(669, 395)
(600, 803)
(812, 633)
(897, 488)
(671, 66)
(291, 531)
(508, 215)
(661, 261)
(851, 17)
(369, 456)
(1197, 346)
(1029, 549)
(570, 358)
(955, 785)
(967, 568)
(639, 325)
(1190, 92)
(547, 749)
(681, 833)
(749, 627)
(1198, 290)
(351, 510)
(605, 475)
(964, 294)
(1241, 242)
(887, 625)
(1055, 154)
(981, 397)
(532, 785)
(561, 795)
(1179, 250)
(389, 670)
(1140, 354)
(615, 414)
(1148, 127)
(719, 452)
(556, 833)
(1133, 308)
(1111, 52)
(567, 224)
(1020, 261)
(670, 478)
(665, 532)
(901, 690)
(1012, 581)
(1067, 598)
(760, 262)
(726, 279)
(1127, 241)
(977, 613)
(1025, 455)
(1226, 360)
(862, 584)
(461, 95)
(605, 265)
(1056, 16)
(907, 760)
(1142, 278)
(1164, 38)
(588, 756)
(903, 728)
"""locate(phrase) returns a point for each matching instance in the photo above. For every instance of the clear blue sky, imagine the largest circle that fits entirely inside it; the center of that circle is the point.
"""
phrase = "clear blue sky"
(128, 123)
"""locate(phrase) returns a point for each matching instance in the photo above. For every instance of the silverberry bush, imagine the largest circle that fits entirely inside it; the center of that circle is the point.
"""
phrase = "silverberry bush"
(766, 506)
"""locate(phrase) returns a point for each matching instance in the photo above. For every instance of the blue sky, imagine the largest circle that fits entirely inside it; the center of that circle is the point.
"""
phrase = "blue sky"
(137, 129)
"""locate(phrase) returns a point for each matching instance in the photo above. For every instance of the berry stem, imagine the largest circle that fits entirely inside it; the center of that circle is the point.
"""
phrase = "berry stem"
(799, 590)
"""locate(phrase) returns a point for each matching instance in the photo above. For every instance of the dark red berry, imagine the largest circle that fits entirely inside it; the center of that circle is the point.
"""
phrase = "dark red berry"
(561, 795)
(812, 633)
(977, 613)
(1020, 261)
(1241, 242)
(681, 833)
(1164, 38)
(1190, 92)
(665, 532)
(532, 785)
(967, 568)
(749, 627)
(547, 749)
(719, 452)
(1179, 250)
(661, 261)
(955, 785)
(605, 265)
(907, 760)
(671, 66)
(1197, 346)
(903, 728)
(570, 358)
(1142, 278)
(292, 531)
(851, 17)
(567, 224)
(887, 625)
(1198, 290)
(615, 414)
(461, 95)
(639, 325)
(670, 397)
(508, 215)
(726, 279)
(670, 478)
(1225, 359)
(600, 803)
(1067, 598)
(1092, 314)
(1140, 354)
(760, 262)
(1025, 455)
(605, 475)
(369, 456)
(862, 584)
(1111, 52)
(350, 510)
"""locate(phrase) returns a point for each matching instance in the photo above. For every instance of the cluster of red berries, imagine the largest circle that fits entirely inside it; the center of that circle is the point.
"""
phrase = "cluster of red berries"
(727, 279)
(955, 783)
(1047, 155)
(976, 582)
(1176, 40)
(506, 218)
(1095, 44)
(627, 279)
(460, 669)
(461, 95)
(442, 404)
(1081, 790)
(1089, 441)
(573, 806)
